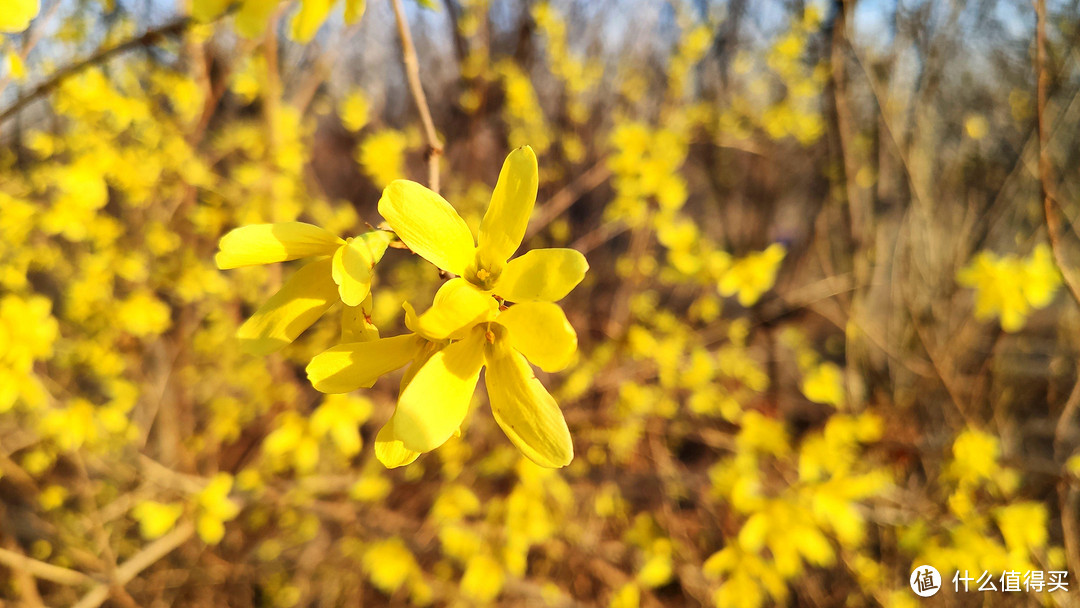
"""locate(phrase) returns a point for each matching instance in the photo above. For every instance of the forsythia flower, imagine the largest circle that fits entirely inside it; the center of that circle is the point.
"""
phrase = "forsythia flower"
(825, 384)
(753, 275)
(343, 270)
(438, 387)
(425, 222)
(215, 509)
(156, 518)
(1009, 287)
(15, 15)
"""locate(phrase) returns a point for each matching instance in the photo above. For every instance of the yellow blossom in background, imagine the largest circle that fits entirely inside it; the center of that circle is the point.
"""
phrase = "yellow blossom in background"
(156, 518)
(825, 384)
(751, 276)
(16, 15)
(354, 110)
(214, 508)
(382, 156)
(143, 314)
(1009, 287)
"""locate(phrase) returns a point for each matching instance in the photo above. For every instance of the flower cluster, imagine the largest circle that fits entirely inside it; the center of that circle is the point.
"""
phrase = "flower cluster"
(497, 313)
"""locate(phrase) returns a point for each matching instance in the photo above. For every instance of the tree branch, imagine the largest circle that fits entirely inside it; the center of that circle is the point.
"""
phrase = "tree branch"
(150, 37)
(412, 74)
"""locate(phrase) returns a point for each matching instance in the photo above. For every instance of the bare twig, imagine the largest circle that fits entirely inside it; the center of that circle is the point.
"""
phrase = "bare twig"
(139, 562)
(563, 199)
(42, 570)
(150, 37)
(412, 74)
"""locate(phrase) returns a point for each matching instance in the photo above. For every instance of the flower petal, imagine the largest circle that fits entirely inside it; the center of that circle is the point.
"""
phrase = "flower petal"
(525, 410)
(390, 451)
(540, 331)
(507, 215)
(425, 222)
(356, 325)
(458, 305)
(269, 243)
(347, 367)
(354, 264)
(545, 275)
(433, 405)
(298, 304)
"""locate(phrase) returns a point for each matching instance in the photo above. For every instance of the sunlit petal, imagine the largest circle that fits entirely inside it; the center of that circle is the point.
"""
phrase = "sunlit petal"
(428, 225)
(390, 451)
(540, 331)
(269, 243)
(347, 367)
(298, 304)
(458, 305)
(525, 410)
(545, 275)
(507, 216)
(354, 264)
(433, 405)
(356, 325)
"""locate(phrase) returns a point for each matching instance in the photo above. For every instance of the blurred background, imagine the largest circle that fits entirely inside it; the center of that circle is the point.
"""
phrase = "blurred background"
(829, 332)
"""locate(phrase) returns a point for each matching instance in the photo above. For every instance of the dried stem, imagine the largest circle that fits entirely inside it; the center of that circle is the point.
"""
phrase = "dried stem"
(412, 74)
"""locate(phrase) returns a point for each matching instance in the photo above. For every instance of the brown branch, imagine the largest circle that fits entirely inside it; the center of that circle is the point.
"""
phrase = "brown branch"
(139, 562)
(1046, 173)
(149, 38)
(412, 74)
(565, 198)
(43, 570)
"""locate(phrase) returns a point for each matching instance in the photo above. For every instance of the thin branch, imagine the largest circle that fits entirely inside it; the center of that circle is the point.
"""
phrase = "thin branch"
(412, 74)
(565, 198)
(149, 38)
(142, 560)
(43, 570)
(1046, 174)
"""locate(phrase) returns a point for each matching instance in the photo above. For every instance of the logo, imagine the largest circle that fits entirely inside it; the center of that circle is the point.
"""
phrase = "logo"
(925, 581)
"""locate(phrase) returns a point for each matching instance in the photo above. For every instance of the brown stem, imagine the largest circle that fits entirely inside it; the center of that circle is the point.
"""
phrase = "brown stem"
(151, 37)
(412, 74)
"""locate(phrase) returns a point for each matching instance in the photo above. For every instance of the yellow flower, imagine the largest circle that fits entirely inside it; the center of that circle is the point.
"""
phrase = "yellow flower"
(156, 518)
(752, 275)
(466, 329)
(428, 225)
(825, 384)
(354, 111)
(342, 270)
(215, 509)
(439, 385)
(16, 15)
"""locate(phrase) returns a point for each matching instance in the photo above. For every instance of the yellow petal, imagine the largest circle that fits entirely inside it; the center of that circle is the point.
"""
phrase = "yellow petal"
(354, 9)
(433, 405)
(309, 18)
(507, 216)
(525, 410)
(428, 225)
(354, 265)
(208, 10)
(298, 304)
(540, 331)
(545, 275)
(458, 305)
(15, 15)
(269, 243)
(253, 17)
(390, 451)
(356, 325)
(347, 367)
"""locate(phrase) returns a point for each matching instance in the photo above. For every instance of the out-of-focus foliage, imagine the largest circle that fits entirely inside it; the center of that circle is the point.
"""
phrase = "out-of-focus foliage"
(823, 337)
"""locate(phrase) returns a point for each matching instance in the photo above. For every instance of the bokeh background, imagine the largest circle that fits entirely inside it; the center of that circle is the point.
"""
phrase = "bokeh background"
(828, 332)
